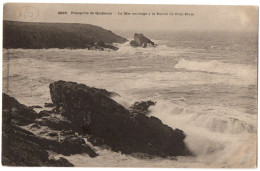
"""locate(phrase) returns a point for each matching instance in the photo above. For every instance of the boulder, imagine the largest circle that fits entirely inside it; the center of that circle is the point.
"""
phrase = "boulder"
(141, 107)
(91, 112)
(106, 45)
(141, 41)
(134, 43)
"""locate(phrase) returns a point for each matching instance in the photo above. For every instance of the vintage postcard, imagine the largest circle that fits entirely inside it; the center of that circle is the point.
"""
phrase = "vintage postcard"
(110, 85)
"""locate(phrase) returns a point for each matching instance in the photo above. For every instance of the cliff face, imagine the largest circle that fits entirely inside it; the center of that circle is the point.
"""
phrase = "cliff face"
(30, 35)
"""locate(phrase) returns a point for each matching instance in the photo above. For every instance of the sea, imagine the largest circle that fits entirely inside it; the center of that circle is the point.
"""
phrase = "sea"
(204, 83)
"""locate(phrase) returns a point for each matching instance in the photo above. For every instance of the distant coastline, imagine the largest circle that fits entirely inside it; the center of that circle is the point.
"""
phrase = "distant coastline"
(31, 35)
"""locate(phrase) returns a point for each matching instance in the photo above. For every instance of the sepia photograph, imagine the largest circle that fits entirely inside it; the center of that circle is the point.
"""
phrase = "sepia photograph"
(129, 85)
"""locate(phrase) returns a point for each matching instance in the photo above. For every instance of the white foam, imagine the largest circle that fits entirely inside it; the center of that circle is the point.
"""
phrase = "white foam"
(213, 133)
(161, 50)
(244, 72)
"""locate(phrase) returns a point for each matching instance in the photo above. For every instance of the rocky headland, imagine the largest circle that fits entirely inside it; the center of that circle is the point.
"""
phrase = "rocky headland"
(32, 35)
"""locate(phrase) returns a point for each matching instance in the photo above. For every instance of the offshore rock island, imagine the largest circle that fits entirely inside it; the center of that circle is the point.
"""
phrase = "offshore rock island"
(141, 41)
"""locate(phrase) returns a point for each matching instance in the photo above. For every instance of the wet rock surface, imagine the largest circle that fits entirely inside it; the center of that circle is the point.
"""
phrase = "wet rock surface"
(49, 105)
(18, 151)
(102, 45)
(27, 136)
(16, 112)
(55, 122)
(141, 107)
(141, 41)
(35, 107)
(92, 112)
(134, 43)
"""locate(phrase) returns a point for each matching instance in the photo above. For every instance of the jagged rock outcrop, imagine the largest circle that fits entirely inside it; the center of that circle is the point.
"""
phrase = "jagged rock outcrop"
(64, 142)
(141, 107)
(27, 136)
(94, 113)
(17, 150)
(54, 122)
(141, 41)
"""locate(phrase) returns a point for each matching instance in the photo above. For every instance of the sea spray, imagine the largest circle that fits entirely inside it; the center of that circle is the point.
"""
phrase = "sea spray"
(211, 137)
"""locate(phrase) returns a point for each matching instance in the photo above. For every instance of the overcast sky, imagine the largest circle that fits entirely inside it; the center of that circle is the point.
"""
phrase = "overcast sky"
(206, 18)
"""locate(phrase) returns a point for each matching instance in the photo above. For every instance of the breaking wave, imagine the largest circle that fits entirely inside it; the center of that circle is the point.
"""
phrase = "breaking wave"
(214, 134)
(219, 136)
(217, 67)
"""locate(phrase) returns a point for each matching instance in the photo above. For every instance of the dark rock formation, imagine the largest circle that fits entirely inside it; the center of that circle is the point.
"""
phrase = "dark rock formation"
(54, 122)
(92, 112)
(44, 113)
(102, 45)
(36, 106)
(26, 137)
(106, 93)
(134, 43)
(64, 142)
(33, 35)
(141, 107)
(49, 105)
(141, 41)
(18, 113)
(17, 151)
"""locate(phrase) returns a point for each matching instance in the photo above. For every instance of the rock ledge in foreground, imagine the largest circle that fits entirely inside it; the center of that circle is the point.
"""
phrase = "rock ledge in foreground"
(27, 137)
